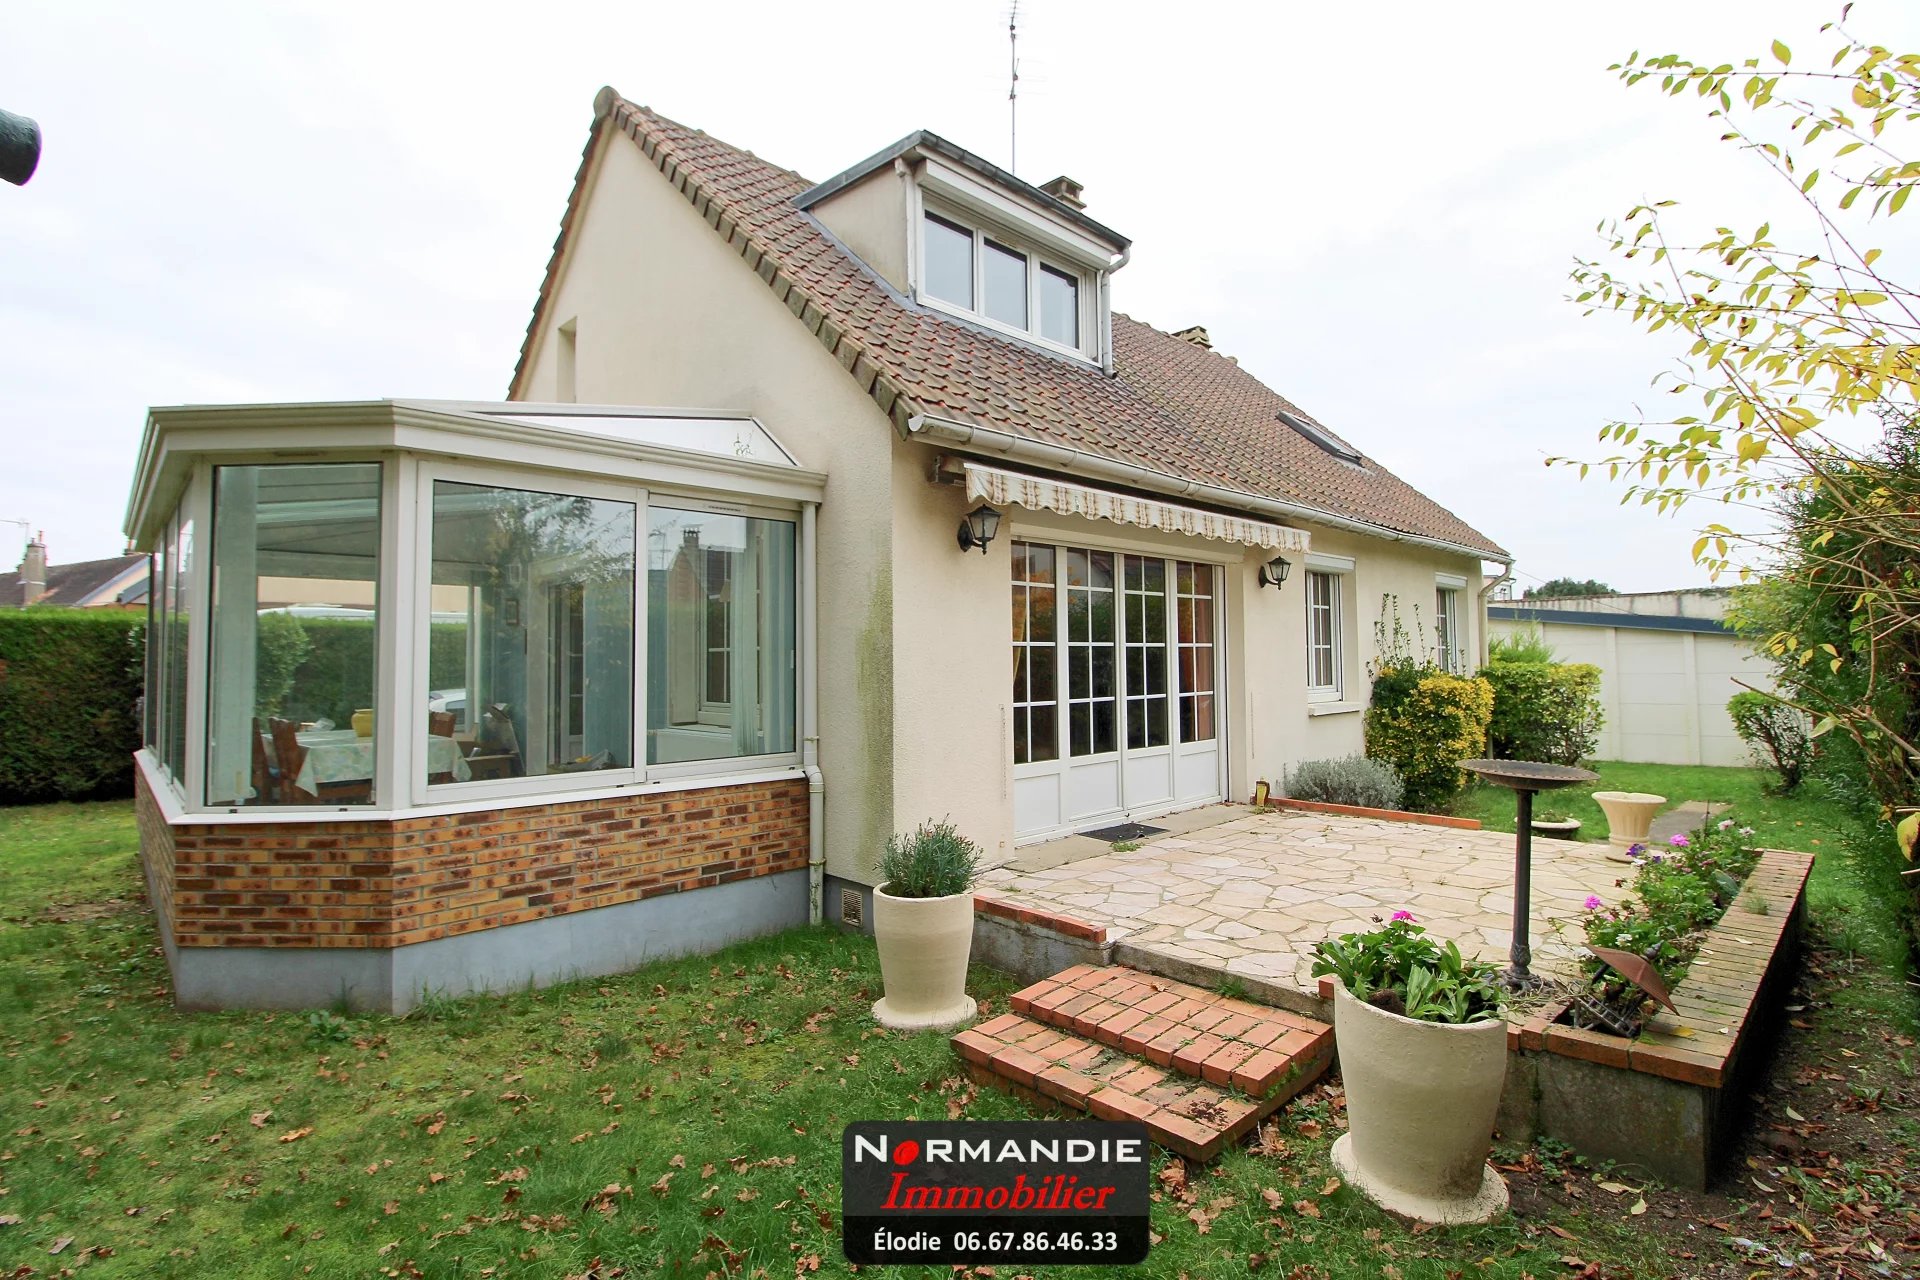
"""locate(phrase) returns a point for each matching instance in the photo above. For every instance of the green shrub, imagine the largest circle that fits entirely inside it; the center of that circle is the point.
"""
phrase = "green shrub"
(1398, 969)
(70, 682)
(1680, 888)
(932, 861)
(1528, 643)
(1544, 710)
(1355, 780)
(1424, 723)
(1777, 734)
(280, 647)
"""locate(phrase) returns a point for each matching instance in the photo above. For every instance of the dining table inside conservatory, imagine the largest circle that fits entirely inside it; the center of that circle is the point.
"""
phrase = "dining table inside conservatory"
(342, 755)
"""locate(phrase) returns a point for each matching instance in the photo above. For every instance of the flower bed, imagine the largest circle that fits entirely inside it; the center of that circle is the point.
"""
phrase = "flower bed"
(1666, 1103)
(1679, 891)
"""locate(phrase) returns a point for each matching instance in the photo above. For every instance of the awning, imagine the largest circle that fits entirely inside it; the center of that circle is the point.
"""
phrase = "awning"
(1001, 488)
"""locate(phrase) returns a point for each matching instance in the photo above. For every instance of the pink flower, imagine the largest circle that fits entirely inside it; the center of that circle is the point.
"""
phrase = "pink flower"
(1403, 915)
(1678, 842)
(1593, 902)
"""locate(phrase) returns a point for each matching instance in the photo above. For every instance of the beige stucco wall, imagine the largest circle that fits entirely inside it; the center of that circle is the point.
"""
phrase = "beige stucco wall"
(870, 218)
(668, 314)
(1382, 569)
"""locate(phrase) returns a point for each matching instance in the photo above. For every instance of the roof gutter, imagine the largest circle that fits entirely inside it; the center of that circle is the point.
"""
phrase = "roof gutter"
(1056, 457)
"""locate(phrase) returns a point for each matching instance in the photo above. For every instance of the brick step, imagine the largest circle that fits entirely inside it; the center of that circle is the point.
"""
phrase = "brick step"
(1200, 1070)
(1193, 1030)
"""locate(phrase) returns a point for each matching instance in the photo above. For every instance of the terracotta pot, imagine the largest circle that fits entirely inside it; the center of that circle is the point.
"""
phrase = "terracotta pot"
(1629, 814)
(1421, 1102)
(924, 944)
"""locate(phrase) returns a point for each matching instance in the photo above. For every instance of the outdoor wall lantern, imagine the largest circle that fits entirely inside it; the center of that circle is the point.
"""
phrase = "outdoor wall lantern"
(1274, 572)
(978, 527)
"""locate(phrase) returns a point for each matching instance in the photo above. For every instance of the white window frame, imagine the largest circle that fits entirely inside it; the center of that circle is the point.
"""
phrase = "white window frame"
(1086, 297)
(414, 689)
(721, 766)
(1334, 569)
(1448, 592)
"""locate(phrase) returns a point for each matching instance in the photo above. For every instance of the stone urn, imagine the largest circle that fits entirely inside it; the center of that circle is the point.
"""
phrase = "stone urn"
(1629, 814)
(1421, 1103)
(924, 944)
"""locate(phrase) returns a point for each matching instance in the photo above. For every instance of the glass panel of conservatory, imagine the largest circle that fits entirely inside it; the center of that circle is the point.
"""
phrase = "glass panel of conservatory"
(530, 648)
(293, 634)
(720, 636)
(179, 611)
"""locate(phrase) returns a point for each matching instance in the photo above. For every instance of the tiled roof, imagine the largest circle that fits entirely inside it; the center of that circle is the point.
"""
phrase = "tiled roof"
(1170, 405)
(69, 584)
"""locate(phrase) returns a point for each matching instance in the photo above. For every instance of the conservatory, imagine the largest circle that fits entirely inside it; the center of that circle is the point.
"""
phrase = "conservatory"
(447, 696)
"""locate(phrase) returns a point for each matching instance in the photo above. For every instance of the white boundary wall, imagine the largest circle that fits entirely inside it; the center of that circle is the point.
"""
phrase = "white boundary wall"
(1664, 680)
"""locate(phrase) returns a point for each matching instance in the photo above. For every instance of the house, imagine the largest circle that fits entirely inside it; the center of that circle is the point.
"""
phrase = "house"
(1668, 660)
(119, 581)
(942, 534)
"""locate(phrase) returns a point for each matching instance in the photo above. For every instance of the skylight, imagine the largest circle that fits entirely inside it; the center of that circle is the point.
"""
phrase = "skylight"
(1325, 439)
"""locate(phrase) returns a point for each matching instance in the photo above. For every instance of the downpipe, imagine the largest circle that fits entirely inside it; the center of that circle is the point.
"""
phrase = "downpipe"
(810, 715)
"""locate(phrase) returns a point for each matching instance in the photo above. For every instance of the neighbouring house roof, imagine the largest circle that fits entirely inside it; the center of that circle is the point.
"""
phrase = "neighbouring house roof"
(71, 585)
(1170, 405)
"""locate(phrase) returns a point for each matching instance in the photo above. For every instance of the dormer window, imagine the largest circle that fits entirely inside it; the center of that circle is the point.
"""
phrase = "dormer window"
(995, 278)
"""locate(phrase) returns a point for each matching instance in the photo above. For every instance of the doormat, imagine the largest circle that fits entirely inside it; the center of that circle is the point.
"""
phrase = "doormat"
(1125, 831)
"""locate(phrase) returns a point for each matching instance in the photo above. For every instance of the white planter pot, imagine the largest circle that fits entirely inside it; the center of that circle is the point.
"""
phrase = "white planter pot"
(1629, 814)
(924, 944)
(1421, 1102)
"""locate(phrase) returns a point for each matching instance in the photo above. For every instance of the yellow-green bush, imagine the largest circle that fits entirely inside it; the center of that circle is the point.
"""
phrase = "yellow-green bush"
(1424, 722)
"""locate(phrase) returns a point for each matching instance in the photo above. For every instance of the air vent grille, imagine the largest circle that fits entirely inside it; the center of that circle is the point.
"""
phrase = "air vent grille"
(852, 908)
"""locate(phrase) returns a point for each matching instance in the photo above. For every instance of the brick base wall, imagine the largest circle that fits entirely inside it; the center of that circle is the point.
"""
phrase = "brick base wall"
(156, 847)
(398, 882)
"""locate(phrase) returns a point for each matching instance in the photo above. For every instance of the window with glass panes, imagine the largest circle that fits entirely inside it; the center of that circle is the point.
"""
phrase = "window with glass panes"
(1036, 688)
(1194, 619)
(1323, 634)
(1145, 607)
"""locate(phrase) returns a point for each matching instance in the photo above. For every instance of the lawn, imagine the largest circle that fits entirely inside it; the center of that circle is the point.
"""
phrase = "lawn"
(684, 1119)
(680, 1120)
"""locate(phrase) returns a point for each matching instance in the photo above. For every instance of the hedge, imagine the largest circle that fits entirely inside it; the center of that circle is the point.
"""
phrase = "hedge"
(1544, 710)
(70, 683)
(335, 679)
(1424, 722)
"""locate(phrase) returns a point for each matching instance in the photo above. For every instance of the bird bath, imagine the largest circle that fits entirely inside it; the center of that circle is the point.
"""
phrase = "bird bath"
(1525, 777)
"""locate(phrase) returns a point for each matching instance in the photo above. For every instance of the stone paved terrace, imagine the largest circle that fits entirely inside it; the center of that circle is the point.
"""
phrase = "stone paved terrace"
(1253, 894)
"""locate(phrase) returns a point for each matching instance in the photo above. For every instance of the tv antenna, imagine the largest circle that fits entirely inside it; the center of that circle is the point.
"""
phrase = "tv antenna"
(1013, 87)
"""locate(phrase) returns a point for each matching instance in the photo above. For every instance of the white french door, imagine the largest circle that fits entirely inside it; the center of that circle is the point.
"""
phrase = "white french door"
(1115, 703)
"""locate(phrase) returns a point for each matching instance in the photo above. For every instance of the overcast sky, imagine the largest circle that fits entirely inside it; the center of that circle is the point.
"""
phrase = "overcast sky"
(1374, 207)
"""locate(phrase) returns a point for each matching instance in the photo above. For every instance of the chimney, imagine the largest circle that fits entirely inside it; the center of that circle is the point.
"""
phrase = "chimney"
(1066, 191)
(1196, 335)
(33, 570)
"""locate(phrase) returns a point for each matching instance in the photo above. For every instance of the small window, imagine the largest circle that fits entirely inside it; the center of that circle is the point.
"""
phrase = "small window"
(1059, 306)
(1323, 637)
(1321, 436)
(1005, 278)
(1446, 626)
(949, 254)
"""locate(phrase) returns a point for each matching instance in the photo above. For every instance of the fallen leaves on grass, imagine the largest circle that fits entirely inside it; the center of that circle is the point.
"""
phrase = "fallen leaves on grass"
(294, 1135)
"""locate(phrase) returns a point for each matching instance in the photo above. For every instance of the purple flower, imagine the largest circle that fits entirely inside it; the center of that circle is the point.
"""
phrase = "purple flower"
(1403, 915)
(1634, 851)
(1593, 902)
(1678, 841)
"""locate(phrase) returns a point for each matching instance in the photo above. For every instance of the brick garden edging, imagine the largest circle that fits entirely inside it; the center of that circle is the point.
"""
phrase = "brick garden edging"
(1385, 815)
(1667, 1103)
